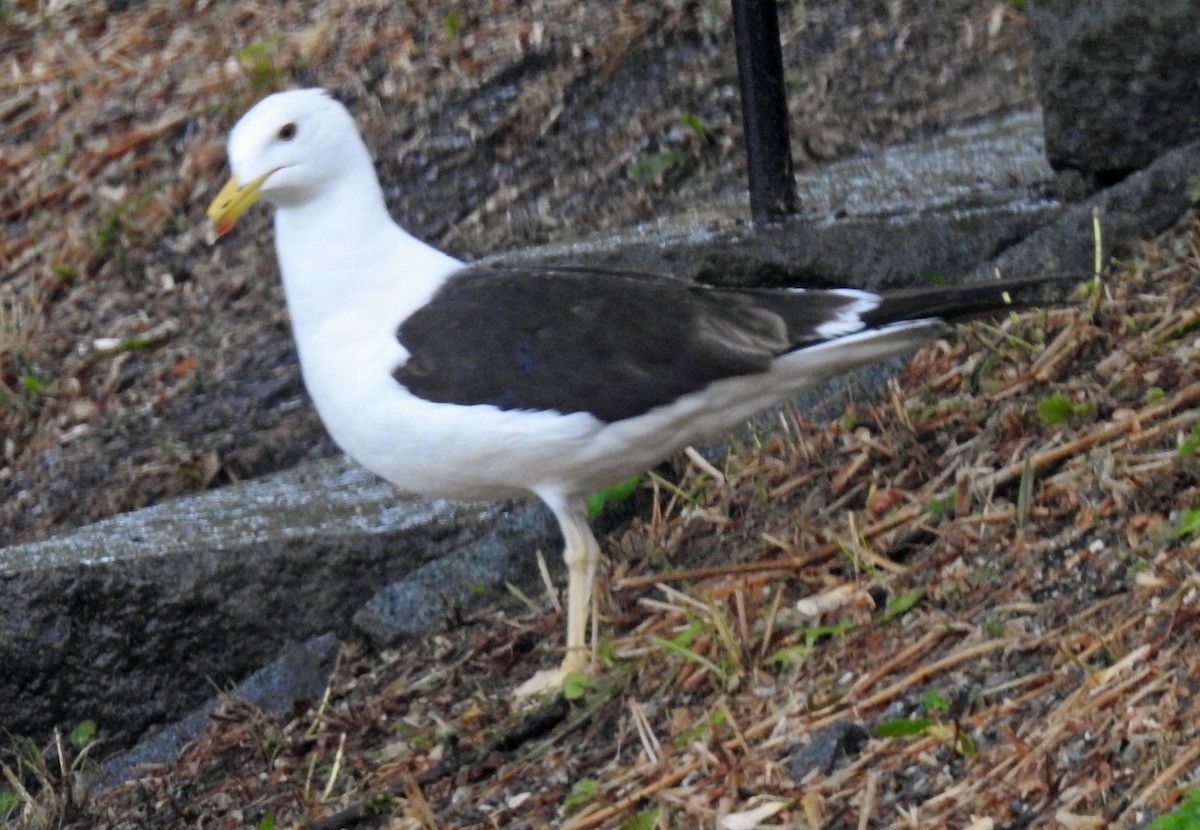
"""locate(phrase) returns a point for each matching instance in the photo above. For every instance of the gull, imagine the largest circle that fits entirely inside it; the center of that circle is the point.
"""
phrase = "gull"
(484, 382)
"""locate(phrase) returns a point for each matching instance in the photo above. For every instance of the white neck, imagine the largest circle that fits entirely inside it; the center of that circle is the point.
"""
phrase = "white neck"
(342, 253)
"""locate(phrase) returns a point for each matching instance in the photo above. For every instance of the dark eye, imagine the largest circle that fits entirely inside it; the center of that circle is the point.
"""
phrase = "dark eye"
(287, 132)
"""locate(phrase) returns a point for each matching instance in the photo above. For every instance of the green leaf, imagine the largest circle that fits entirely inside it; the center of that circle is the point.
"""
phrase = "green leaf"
(258, 62)
(1189, 522)
(9, 801)
(695, 123)
(453, 22)
(645, 820)
(614, 493)
(584, 791)
(937, 506)
(898, 604)
(83, 734)
(31, 384)
(606, 654)
(687, 736)
(268, 822)
(259, 49)
(595, 504)
(575, 685)
(1191, 443)
(789, 655)
(902, 726)
(1055, 409)
(934, 702)
(818, 632)
(1184, 817)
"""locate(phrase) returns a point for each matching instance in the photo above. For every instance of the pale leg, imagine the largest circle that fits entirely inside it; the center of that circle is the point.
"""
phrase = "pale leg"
(581, 553)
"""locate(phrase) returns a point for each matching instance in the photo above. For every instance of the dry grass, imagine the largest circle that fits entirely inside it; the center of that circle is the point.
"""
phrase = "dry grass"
(113, 310)
(1015, 599)
(495, 125)
(1027, 588)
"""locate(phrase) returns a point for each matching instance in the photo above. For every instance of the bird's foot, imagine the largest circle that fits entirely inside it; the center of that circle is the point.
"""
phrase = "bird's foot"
(545, 682)
(550, 681)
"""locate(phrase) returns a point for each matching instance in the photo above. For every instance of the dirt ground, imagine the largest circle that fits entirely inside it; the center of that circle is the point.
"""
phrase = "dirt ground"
(137, 363)
(971, 605)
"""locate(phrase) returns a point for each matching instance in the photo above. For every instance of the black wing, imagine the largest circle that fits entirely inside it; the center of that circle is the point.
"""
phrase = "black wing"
(612, 344)
(956, 303)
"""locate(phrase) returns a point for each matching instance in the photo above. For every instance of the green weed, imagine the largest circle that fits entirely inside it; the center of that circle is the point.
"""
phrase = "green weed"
(43, 787)
(257, 60)
(1056, 408)
(1184, 817)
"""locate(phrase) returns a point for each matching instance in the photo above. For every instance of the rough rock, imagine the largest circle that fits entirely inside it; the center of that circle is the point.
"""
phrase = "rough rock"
(131, 621)
(1116, 80)
(300, 673)
(134, 620)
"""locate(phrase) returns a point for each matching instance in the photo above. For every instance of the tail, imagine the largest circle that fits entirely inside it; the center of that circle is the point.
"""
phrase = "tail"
(956, 303)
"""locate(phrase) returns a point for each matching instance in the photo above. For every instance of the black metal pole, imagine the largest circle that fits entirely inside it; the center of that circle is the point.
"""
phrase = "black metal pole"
(764, 109)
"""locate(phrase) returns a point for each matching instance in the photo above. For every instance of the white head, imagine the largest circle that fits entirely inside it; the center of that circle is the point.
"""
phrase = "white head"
(286, 149)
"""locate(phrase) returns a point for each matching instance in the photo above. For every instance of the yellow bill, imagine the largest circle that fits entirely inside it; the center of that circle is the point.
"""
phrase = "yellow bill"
(232, 202)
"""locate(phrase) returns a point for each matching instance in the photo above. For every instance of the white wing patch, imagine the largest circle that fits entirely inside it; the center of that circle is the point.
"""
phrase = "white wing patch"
(849, 318)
